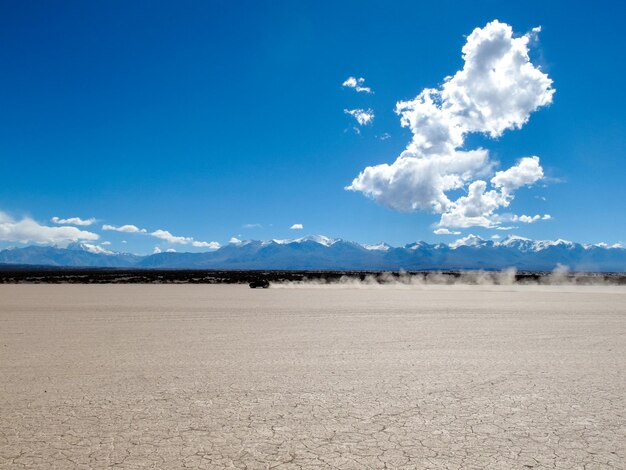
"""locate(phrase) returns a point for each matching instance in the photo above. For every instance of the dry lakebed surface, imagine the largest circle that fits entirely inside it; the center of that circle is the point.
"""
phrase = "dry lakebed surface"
(223, 376)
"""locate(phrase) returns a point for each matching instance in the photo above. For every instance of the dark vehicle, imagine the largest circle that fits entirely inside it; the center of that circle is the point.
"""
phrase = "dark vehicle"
(260, 283)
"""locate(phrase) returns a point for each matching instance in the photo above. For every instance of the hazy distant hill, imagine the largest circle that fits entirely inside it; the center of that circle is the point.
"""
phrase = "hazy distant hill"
(313, 253)
(73, 255)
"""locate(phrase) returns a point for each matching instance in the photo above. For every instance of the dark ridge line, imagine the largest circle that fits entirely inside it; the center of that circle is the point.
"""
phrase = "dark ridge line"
(12, 274)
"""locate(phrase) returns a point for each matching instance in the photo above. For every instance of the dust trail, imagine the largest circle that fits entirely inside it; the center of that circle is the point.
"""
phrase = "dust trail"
(560, 276)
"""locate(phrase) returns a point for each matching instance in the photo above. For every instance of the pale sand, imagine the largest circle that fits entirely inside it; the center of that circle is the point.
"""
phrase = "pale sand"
(224, 376)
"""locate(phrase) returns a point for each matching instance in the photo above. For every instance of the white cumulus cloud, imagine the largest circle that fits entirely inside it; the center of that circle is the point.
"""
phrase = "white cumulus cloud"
(357, 84)
(526, 173)
(28, 230)
(496, 90)
(296, 227)
(72, 221)
(411, 183)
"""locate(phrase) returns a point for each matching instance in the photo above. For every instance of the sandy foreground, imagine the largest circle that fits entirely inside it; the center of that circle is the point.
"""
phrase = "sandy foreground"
(199, 376)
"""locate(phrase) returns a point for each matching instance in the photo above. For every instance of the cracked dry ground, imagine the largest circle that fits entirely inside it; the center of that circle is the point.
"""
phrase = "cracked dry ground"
(228, 377)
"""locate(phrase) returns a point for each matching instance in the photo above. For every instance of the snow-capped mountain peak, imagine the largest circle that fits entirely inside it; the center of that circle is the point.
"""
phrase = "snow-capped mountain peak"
(514, 241)
(415, 245)
(470, 240)
(320, 239)
(382, 246)
(90, 248)
(319, 253)
(540, 245)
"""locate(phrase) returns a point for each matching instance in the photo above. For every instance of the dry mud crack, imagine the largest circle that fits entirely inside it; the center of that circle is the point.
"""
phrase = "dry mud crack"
(214, 377)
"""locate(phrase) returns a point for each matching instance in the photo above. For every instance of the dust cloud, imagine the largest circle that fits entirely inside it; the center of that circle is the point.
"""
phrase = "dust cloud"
(560, 276)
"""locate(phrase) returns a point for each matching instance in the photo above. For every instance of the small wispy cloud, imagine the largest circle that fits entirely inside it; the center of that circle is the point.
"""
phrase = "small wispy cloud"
(158, 250)
(124, 228)
(296, 227)
(357, 84)
(174, 239)
(252, 226)
(164, 235)
(530, 219)
(445, 231)
(363, 116)
(72, 221)
(211, 245)
(168, 237)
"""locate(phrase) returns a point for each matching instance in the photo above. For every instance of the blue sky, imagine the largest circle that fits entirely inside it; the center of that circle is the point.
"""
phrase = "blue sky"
(212, 120)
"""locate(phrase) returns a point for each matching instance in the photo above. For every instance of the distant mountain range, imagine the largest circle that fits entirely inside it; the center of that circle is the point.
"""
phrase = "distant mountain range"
(322, 253)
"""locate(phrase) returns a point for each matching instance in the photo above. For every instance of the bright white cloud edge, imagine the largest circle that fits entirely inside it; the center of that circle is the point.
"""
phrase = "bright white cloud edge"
(28, 230)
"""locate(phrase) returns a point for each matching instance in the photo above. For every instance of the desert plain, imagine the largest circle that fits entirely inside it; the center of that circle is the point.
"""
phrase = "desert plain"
(397, 377)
